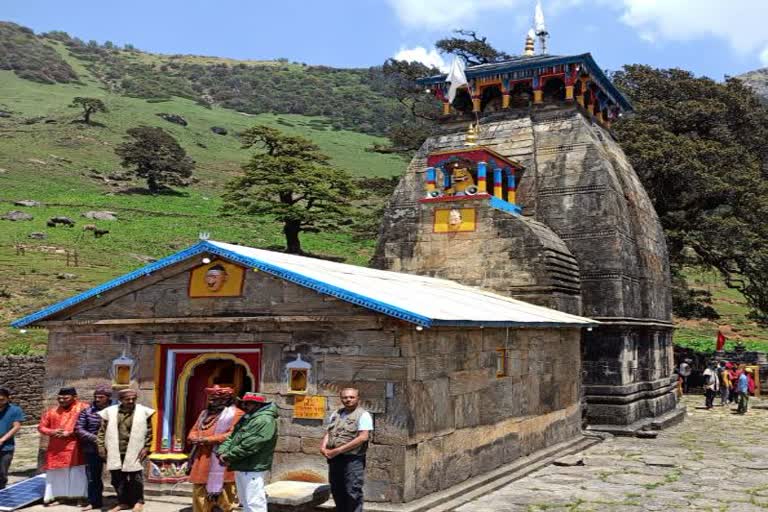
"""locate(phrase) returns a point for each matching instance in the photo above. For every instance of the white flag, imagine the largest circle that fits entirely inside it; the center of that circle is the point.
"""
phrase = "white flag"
(456, 77)
(538, 19)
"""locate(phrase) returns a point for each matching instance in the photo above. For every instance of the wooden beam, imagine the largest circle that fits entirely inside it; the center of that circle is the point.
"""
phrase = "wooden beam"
(209, 320)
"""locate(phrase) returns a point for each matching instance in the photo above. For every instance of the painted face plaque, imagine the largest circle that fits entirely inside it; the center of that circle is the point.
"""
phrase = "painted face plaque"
(454, 220)
(216, 279)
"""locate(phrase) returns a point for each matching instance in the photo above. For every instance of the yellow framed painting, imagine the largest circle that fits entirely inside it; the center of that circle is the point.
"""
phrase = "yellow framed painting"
(216, 279)
(454, 220)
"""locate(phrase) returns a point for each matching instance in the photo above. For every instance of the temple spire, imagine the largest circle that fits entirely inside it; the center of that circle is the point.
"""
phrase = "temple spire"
(540, 27)
(529, 44)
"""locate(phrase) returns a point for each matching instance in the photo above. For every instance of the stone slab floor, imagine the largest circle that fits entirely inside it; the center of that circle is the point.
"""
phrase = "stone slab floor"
(714, 461)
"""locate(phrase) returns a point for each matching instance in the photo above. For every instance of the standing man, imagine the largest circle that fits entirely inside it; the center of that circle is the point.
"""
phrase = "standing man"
(249, 450)
(65, 475)
(725, 383)
(743, 390)
(685, 371)
(86, 429)
(124, 440)
(212, 485)
(11, 417)
(711, 385)
(344, 445)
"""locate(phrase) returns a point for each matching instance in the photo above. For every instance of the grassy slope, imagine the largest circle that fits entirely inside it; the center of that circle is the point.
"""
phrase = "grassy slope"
(730, 304)
(51, 162)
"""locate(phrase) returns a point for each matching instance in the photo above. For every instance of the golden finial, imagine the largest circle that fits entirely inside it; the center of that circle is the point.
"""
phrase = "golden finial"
(529, 44)
(472, 133)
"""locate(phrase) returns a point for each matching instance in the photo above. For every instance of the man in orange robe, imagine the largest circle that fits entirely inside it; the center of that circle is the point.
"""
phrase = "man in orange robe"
(213, 484)
(65, 475)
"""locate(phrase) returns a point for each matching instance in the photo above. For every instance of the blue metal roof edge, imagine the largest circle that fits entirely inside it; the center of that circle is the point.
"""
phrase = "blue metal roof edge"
(94, 292)
(319, 286)
(590, 61)
(205, 246)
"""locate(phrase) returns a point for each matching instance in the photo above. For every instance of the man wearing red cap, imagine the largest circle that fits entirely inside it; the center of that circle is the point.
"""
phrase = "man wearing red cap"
(212, 485)
(249, 450)
(65, 475)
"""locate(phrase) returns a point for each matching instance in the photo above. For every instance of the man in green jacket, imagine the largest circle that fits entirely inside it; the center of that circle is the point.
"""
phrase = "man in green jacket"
(248, 451)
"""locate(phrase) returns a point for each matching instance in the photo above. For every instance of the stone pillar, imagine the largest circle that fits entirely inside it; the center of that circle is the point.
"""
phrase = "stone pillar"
(568, 93)
(538, 96)
(505, 100)
(446, 108)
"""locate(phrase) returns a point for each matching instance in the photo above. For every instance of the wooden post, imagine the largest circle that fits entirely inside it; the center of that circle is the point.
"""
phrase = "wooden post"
(497, 188)
(482, 186)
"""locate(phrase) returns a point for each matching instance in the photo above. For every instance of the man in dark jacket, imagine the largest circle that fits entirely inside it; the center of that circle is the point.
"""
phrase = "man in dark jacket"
(86, 428)
(249, 450)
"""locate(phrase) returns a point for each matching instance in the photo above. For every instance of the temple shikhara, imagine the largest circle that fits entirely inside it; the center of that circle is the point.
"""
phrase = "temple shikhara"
(524, 191)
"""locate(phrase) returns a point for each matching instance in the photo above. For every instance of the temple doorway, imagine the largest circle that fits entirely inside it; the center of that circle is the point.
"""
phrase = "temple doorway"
(224, 372)
(185, 370)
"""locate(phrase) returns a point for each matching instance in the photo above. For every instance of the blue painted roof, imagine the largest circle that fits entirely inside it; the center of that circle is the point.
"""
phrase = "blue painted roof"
(420, 300)
(525, 63)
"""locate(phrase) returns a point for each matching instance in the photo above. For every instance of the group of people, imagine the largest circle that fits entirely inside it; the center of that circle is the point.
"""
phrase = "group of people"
(734, 383)
(232, 440)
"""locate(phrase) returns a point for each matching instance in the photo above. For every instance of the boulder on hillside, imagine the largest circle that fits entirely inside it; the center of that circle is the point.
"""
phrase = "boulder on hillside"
(100, 215)
(27, 202)
(37, 235)
(17, 215)
(173, 118)
(218, 130)
(3, 113)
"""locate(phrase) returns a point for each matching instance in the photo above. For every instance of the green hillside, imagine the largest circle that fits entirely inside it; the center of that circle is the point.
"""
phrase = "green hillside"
(71, 168)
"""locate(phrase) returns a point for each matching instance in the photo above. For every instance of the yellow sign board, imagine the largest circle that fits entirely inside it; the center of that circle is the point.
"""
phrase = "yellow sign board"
(309, 407)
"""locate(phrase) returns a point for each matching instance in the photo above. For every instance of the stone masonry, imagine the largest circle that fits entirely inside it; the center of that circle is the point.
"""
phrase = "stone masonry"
(24, 377)
(578, 185)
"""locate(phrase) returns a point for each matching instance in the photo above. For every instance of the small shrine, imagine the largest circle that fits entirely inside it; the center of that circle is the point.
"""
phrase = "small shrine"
(461, 174)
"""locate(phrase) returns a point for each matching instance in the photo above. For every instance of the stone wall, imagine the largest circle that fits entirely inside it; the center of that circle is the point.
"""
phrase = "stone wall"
(24, 376)
(466, 421)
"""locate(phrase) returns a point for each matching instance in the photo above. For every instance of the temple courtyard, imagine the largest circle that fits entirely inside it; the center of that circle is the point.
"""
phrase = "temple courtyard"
(714, 461)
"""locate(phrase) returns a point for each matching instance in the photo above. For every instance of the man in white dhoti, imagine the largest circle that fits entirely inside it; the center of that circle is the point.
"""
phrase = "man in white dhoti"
(65, 476)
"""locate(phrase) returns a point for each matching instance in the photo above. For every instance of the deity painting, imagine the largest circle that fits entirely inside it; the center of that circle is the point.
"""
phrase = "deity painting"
(216, 279)
(454, 220)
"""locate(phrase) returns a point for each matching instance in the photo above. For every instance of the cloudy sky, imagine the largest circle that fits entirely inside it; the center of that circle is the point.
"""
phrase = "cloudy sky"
(709, 37)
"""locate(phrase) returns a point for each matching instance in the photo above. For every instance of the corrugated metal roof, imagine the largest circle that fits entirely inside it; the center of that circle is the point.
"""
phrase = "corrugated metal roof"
(421, 300)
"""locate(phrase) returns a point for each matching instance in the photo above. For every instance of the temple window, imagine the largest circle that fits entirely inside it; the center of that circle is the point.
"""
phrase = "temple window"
(491, 99)
(520, 95)
(463, 101)
(554, 89)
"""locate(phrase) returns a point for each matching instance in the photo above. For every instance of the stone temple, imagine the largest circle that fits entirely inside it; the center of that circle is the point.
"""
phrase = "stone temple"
(537, 201)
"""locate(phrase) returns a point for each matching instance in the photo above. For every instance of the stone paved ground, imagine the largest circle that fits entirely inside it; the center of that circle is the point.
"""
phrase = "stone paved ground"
(714, 461)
